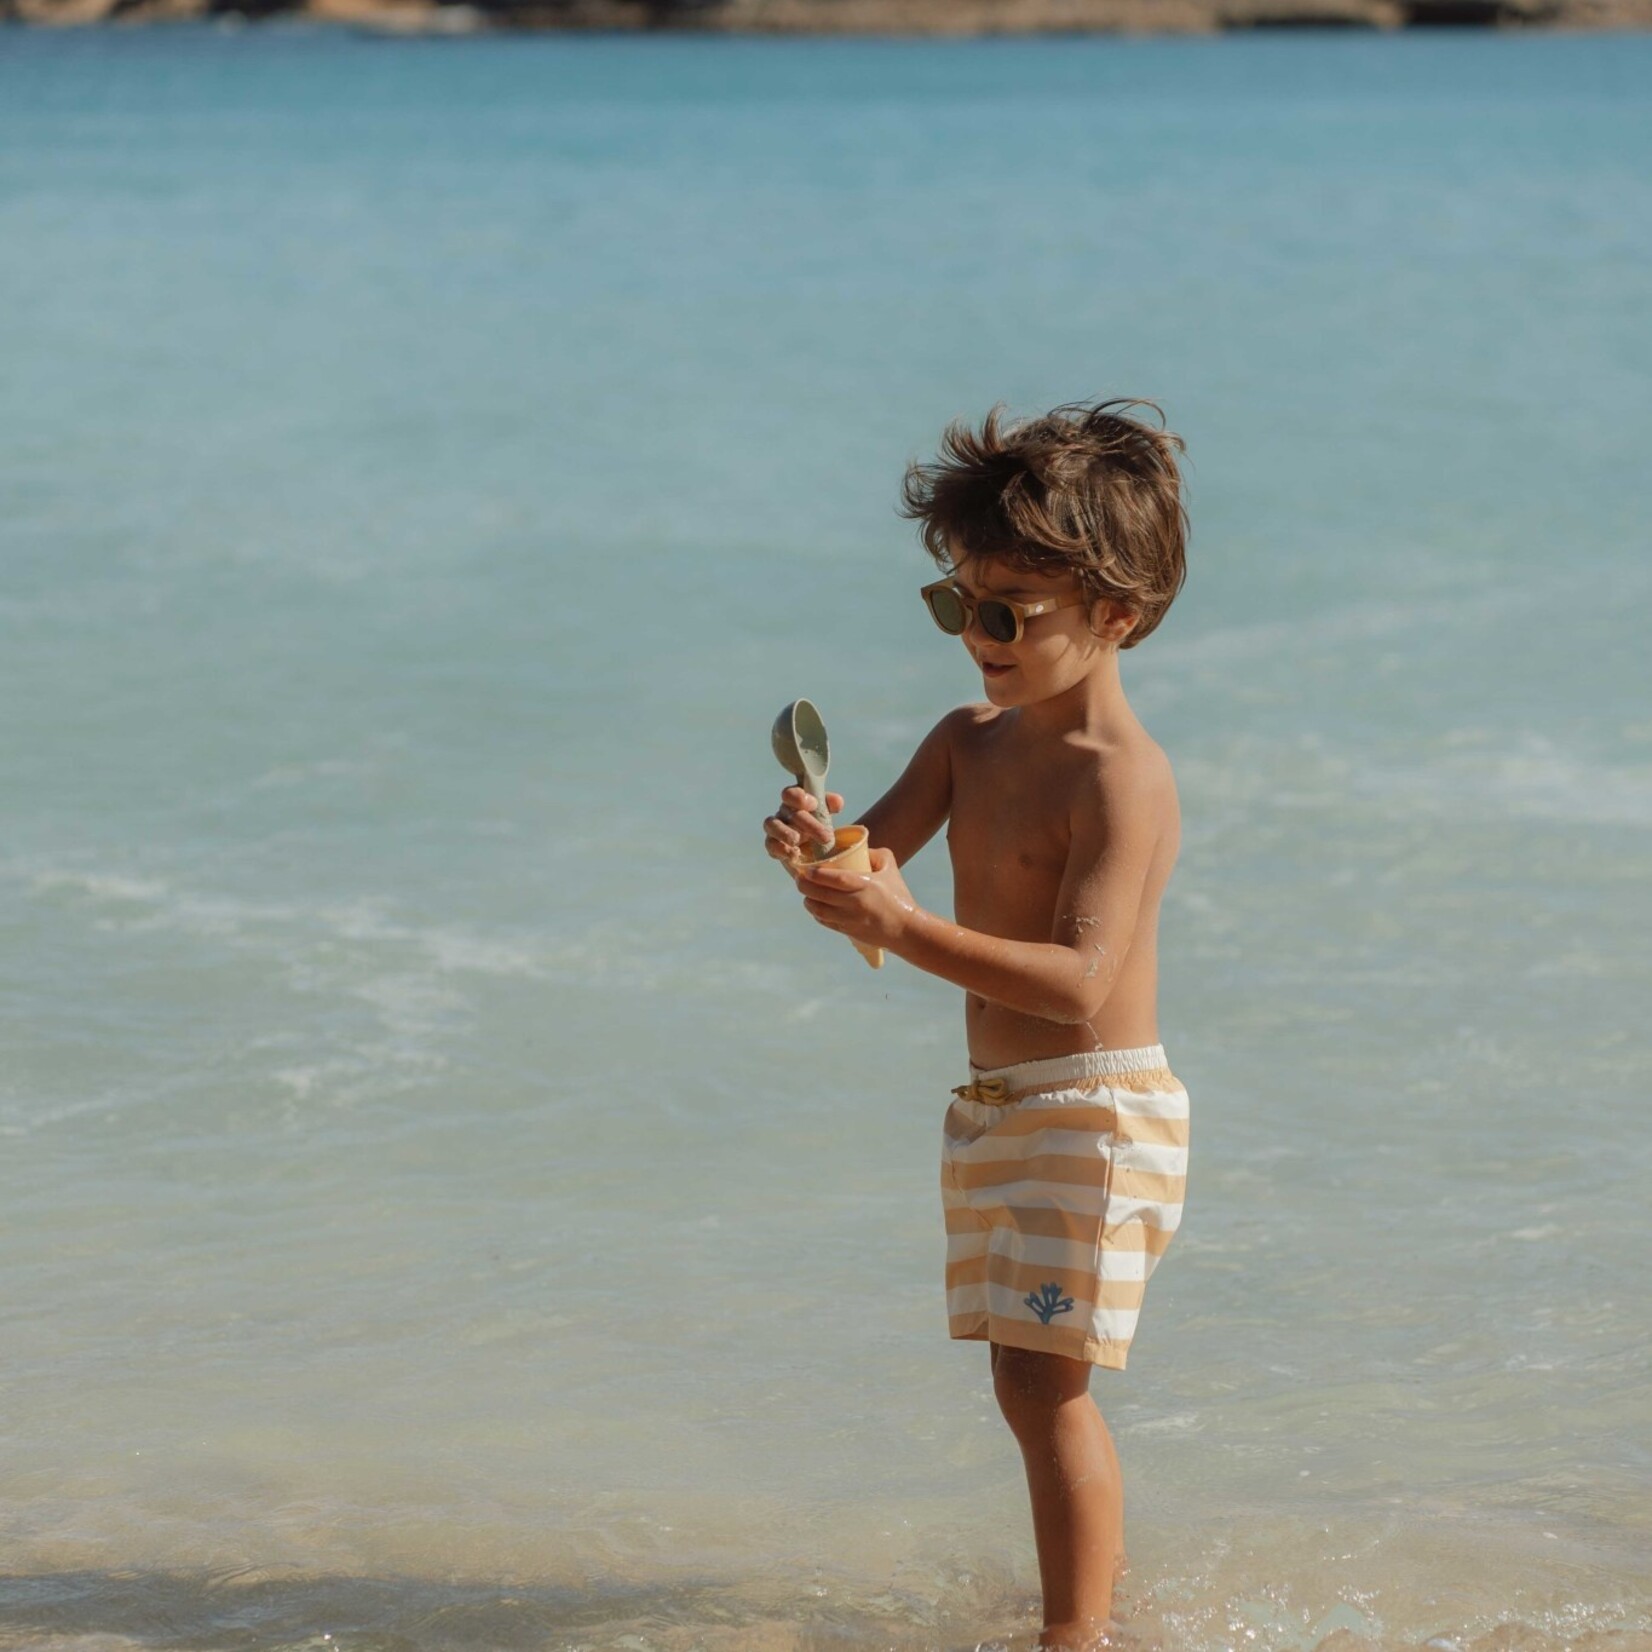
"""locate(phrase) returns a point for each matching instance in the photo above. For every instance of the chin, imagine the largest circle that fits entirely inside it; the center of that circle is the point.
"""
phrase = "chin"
(1005, 691)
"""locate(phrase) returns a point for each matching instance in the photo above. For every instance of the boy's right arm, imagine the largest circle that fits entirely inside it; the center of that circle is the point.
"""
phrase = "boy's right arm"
(903, 820)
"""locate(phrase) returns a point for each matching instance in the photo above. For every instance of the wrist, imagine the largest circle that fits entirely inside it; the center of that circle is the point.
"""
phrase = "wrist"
(911, 923)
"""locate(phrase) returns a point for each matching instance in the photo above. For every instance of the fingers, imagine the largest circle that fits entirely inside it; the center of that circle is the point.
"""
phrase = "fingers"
(833, 880)
(784, 836)
(828, 917)
(780, 841)
(797, 815)
(796, 798)
(823, 895)
(795, 825)
(784, 831)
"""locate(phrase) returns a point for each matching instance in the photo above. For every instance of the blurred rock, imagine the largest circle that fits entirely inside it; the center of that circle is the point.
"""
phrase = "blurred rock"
(916, 17)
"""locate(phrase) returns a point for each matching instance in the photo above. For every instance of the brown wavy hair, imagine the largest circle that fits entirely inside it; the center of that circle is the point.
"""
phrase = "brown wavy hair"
(1084, 488)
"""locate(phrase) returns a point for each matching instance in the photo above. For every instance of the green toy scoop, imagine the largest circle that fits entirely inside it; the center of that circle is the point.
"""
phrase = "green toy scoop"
(799, 741)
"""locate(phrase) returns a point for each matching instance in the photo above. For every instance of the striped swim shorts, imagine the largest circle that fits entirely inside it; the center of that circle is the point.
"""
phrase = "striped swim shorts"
(1062, 1183)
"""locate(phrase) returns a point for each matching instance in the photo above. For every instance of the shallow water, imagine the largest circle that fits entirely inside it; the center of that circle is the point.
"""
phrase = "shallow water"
(449, 1197)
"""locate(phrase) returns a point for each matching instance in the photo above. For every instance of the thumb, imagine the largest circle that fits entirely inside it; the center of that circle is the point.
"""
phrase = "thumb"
(883, 860)
(834, 803)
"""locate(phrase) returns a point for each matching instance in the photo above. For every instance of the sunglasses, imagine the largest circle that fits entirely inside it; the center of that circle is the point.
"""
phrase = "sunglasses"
(999, 618)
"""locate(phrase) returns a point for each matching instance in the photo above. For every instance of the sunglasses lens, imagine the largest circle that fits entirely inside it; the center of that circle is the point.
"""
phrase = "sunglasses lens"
(997, 620)
(947, 609)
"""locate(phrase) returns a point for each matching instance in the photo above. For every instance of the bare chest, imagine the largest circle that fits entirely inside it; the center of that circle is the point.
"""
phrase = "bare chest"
(1009, 839)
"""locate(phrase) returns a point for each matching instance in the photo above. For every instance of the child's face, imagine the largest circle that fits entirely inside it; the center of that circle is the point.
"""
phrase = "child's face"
(1056, 650)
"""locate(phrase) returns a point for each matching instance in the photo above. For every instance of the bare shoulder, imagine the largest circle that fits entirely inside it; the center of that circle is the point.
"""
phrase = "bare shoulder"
(1129, 780)
(968, 725)
(951, 736)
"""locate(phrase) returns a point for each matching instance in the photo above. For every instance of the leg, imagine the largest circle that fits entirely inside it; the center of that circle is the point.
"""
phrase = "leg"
(1073, 1481)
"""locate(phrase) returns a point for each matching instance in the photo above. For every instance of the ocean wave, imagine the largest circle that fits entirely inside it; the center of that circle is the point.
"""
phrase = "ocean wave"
(1539, 780)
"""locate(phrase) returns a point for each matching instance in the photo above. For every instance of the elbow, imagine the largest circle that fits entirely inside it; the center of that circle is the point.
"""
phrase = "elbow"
(1092, 1009)
(1075, 1009)
(1089, 994)
(1070, 1017)
(1088, 1010)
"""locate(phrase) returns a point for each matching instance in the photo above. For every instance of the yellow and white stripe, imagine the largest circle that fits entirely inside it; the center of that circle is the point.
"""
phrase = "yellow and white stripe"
(1062, 1182)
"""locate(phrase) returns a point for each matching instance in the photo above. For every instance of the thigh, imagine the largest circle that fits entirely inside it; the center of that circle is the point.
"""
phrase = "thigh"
(1035, 1375)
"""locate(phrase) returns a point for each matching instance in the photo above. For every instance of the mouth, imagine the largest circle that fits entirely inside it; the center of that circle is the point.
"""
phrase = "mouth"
(989, 669)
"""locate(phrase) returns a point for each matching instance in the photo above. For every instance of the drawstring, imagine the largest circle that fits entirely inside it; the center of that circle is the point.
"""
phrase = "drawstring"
(984, 1089)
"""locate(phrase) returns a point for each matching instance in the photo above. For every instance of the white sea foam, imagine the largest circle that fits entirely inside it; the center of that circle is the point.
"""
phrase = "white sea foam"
(1255, 643)
(1539, 780)
(101, 886)
(296, 774)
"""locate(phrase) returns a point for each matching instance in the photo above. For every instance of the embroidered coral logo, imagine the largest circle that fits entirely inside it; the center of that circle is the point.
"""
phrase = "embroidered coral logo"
(1048, 1303)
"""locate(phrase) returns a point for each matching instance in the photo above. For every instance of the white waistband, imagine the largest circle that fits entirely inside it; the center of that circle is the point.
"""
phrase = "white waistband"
(1083, 1064)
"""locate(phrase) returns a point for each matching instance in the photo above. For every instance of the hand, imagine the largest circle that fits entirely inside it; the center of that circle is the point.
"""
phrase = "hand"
(875, 908)
(787, 833)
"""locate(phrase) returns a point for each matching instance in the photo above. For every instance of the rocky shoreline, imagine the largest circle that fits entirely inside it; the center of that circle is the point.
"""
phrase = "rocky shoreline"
(867, 17)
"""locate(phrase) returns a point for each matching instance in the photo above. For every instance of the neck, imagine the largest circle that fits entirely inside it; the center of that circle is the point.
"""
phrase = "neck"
(1095, 705)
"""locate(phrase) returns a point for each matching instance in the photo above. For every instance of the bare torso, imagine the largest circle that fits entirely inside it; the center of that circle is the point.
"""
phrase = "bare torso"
(1009, 837)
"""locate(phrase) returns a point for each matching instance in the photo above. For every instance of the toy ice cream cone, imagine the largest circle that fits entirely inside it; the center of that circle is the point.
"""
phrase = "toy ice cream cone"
(851, 851)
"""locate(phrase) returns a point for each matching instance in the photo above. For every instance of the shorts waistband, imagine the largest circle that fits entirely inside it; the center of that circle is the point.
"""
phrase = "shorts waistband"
(1084, 1064)
(1142, 1069)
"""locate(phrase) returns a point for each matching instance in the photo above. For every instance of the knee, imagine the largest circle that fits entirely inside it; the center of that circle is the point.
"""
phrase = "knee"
(1032, 1388)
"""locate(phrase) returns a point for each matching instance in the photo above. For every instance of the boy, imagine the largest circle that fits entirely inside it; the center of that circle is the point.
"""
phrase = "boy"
(1062, 541)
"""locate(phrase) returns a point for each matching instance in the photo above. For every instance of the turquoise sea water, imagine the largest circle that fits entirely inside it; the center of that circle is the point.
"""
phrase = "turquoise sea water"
(449, 1195)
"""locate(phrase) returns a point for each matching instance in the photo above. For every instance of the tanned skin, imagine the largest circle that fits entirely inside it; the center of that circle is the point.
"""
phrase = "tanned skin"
(1063, 826)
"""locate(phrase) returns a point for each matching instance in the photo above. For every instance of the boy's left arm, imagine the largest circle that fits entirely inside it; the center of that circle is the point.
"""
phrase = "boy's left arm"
(1114, 832)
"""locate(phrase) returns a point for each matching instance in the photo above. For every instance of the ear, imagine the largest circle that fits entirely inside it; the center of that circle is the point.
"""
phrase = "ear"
(1111, 621)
